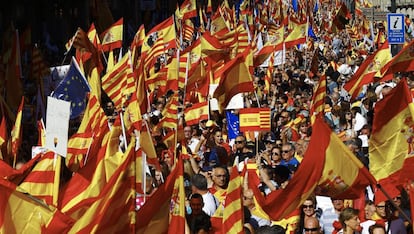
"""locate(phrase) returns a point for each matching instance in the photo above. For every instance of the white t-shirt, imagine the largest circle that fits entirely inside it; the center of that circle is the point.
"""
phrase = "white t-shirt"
(210, 203)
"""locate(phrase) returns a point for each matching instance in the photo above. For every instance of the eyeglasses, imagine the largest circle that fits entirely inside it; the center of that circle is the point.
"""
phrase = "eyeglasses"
(397, 198)
(310, 229)
(285, 151)
(307, 206)
(381, 207)
(239, 142)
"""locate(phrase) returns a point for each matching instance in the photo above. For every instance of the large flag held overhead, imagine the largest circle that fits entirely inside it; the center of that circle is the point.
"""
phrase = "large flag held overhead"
(402, 62)
(391, 147)
(235, 77)
(233, 207)
(73, 88)
(196, 113)
(319, 169)
(368, 70)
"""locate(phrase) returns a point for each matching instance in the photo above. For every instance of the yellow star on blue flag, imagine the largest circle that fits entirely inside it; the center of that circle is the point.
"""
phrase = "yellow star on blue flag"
(73, 88)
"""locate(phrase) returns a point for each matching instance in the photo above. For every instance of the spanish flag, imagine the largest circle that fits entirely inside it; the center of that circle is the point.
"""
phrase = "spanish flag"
(327, 163)
(391, 146)
(402, 62)
(235, 77)
(196, 113)
(177, 222)
(298, 34)
(112, 37)
(368, 70)
(254, 119)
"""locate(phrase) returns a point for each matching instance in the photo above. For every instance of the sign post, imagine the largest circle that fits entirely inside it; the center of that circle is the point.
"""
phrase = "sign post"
(396, 29)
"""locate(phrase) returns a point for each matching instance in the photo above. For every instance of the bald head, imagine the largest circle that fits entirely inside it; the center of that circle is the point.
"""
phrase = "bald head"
(311, 225)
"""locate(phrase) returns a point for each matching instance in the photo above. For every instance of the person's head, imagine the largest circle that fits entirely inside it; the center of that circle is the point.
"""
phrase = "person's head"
(369, 209)
(218, 136)
(198, 183)
(349, 218)
(308, 206)
(248, 198)
(381, 209)
(338, 204)
(196, 203)
(288, 151)
(220, 177)
(240, 142)
(188, 132)
(376, 229)
(275, 155)
(284, 117)
(397, 200)
(311, 225)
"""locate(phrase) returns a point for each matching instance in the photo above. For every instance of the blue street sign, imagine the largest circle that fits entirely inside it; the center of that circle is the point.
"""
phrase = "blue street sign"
(396, 28)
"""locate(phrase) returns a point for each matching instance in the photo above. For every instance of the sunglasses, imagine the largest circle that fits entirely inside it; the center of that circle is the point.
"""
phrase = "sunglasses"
(285, 151)
(307, 206)
(275, 153)
(310, 229)
(239, 142)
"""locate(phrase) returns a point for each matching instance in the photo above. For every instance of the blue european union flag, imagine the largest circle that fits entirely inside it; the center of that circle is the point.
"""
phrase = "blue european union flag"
(295, 5)
(233, 125)
(73, 88)
(311, 33)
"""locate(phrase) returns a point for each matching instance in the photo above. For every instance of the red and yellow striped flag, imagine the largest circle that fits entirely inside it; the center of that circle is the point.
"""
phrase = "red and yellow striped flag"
(233, 209)
(254, 119)
(402, 62)
(40, 182)
(318, 99)
(298, 34)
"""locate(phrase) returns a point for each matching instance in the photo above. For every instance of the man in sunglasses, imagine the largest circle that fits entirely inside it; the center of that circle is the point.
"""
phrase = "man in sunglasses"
(311, 225)
(240, 150)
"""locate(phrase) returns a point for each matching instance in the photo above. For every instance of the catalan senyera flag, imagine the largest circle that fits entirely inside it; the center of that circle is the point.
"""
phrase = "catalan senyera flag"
(196, 113)
(16, 133)
(153, 216)
(254, 119)
(177, 221)
(16, 176)
(114, 82)
(40, 181)
(369, 69)
(319, 167)
(112, 37)
(235, 77)
(318, 99)
(170, 113)
(112, 209)
(391, 146)
(233, 214)
(298, 34)
(402, 62)
(21, 213)
(90, 180)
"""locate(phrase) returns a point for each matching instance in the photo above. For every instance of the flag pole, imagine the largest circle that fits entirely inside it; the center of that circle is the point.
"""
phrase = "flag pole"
(56, 181)
(123, 128)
